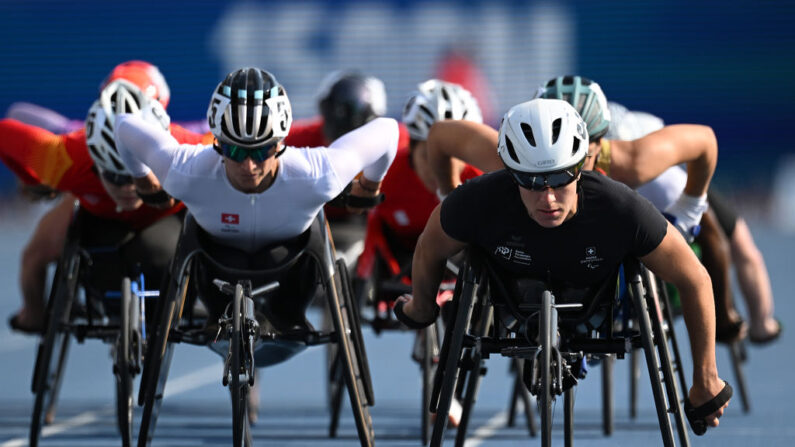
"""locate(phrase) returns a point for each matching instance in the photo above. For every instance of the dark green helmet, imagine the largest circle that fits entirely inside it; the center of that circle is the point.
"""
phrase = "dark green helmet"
(587, 98)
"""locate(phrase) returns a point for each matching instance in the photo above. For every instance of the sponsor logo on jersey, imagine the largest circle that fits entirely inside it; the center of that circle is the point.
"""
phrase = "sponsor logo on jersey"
(230, 219)
(591, 260)
(503, 251)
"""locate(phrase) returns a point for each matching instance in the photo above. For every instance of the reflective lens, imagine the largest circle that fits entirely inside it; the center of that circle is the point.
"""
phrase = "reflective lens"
(117, 179)
(238, 153)
(542, 180)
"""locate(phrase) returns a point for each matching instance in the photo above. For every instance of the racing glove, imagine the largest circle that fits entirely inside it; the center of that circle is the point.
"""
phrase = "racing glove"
(685, 214)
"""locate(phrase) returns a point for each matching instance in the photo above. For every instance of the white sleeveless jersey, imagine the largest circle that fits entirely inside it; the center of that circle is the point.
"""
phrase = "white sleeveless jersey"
(631, 125)
(306, 179)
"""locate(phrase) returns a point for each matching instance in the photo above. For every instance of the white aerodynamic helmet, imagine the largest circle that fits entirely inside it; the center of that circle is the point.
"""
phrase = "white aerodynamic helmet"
(119, 96)
(437, 100)
(250, 109)
(543, 143)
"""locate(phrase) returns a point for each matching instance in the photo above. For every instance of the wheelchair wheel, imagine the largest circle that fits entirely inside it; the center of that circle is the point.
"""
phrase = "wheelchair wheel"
(239, 389)
(519, 391)
(349, 357)
(352, 310)
(157, 360)
(738, 357)
(652, 346)
(54, 346)
(429, 359)
(545, 393)
(123, 364)
(336, 385)
(484, 315)
(607, 394)
(634, 377)
(448, 369)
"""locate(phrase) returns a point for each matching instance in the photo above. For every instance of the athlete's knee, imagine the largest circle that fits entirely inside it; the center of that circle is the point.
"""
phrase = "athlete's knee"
(743, 248)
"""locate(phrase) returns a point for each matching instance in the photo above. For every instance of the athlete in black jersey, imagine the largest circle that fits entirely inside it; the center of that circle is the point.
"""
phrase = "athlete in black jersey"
(544, 218)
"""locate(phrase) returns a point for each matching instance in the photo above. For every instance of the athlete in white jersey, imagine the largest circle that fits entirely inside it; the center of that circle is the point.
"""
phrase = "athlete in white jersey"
(749, 264)
(257, 193)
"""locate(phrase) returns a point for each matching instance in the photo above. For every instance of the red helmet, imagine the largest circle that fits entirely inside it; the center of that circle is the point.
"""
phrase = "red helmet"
(144, 75)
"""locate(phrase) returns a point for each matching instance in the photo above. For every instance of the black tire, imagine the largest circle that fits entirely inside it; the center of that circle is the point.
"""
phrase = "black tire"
(49, 368)
(738, 357)
(157, 360)
(545, 393)
(448, 369)
(336, 386)
(352, 374)
(643, 314)
(122, 370)
(673, 394)
(634, 377)
(431, 348)
(351, 305)
(484, 315)
(238, 388)
(607, 394)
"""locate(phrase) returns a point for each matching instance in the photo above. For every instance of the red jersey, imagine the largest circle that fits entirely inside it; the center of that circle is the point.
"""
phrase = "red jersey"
(62, 162)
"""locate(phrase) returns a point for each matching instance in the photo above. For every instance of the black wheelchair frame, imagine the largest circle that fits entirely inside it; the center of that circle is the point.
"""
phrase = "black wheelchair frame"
(475, 334)
(177, 324)
(63, 320)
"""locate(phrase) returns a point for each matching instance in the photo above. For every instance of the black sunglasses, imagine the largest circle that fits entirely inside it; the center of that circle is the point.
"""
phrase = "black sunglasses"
(539, 181)
(238, 153)
(116, 179)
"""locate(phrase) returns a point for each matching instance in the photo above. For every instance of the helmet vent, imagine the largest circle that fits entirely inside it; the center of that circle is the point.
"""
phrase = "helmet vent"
(528, 133)
(511, 151)
(568, 80)
(575, 146)
(556, 130)
(108, 139)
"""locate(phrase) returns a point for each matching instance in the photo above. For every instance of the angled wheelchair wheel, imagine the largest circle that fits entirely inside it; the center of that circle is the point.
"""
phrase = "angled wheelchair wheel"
(159, 352)
(738, 357)
(123, 364)
(54, 345)
(352, 311)
(452, 349)
(336, 386)
(429, 361)
(519, 392)
(568, 417)
(339, 299)
(658, 360)
(484, 315)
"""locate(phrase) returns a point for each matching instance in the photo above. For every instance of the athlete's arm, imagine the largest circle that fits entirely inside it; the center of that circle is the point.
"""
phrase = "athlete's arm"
(639, 161)
(369, 149)
(430, 256)
(471, 143)
(675, 262)
(144, 146)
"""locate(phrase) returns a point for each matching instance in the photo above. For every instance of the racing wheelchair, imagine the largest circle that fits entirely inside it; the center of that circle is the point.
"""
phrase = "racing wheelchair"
(383, 273)
(553, 330)
(249, 332)
(114, 313)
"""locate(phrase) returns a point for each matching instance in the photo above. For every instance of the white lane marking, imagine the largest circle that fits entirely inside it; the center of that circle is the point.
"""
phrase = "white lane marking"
(188, 382)
(487, 430)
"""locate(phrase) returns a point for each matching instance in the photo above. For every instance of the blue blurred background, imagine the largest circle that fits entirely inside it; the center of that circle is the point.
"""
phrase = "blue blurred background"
(727, 64)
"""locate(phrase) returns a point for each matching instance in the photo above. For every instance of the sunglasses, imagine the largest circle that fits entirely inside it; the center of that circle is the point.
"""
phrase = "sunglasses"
(117, 179)
(543, 180)
(238, 153)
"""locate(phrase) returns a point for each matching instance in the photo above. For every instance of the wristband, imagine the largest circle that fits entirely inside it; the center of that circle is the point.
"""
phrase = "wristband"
(155, 198)
(361, 185)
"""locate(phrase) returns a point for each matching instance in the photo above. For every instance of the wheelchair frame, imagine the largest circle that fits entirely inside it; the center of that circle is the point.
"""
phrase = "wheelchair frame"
(175, 326)
(62, 322)
(465, 345)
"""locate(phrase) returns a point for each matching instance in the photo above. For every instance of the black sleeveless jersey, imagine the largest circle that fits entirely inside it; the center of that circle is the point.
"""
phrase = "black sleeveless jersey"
(611, 223)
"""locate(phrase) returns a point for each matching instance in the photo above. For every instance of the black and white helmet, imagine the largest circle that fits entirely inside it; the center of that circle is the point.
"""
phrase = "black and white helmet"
(542, 135)
(249, 109)
(119, 96)
(437, 100)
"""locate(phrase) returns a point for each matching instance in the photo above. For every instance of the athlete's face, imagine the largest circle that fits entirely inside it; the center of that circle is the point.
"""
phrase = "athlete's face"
(552, 206)
(251, 176)
(124, 195)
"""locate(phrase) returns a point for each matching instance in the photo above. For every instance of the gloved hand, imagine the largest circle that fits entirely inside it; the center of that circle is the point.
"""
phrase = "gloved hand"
(685, 214)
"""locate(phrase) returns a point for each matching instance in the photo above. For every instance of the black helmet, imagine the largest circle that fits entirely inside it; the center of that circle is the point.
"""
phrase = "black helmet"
(349, 100)
(250, 109)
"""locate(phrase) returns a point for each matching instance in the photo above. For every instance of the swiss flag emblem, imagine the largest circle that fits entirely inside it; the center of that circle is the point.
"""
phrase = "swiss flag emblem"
(230, 219)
